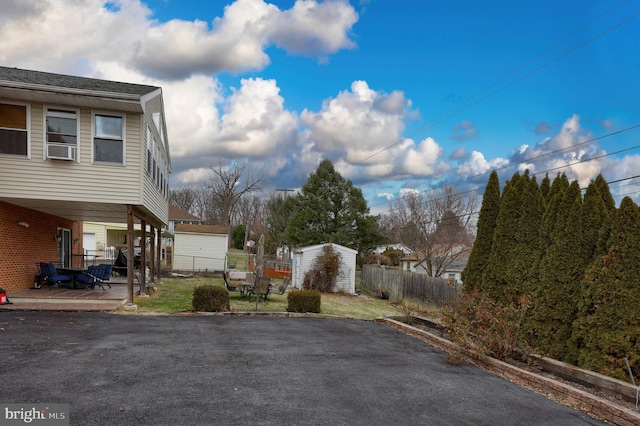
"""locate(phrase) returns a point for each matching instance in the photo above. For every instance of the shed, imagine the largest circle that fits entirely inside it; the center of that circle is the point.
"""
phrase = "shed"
(304, 258)
(200, 247)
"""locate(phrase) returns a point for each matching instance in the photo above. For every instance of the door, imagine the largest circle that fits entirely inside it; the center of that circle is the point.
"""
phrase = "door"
(64, 247)
(90, 246)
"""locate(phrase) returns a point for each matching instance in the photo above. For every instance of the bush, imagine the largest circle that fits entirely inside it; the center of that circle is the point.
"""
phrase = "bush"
(210, 298)
(481, 325)
(325, 272)
(303, 301)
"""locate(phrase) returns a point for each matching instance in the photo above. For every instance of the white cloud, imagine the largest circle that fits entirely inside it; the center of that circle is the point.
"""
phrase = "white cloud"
(123, 31)
(312, 28)
(359, 123)
(478, 165)
(409, 191)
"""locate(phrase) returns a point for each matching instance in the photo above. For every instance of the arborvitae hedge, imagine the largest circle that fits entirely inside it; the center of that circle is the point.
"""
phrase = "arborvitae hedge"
(581, 270)
(479, 257)
(608, 326)
(496, 278)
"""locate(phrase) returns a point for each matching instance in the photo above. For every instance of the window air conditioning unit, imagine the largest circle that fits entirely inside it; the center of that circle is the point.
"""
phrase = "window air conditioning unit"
(61, 152)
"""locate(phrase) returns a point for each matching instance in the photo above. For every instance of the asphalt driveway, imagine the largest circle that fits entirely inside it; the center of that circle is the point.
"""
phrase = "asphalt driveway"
(205, 370)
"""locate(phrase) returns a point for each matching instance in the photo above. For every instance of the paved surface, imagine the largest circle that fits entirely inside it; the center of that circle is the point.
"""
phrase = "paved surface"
(205, 370)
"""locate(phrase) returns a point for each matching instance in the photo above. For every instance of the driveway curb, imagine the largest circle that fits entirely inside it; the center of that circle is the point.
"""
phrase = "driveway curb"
(567, 395)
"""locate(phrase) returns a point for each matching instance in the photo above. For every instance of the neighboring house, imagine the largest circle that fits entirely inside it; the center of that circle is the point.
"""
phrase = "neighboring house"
(304, 259)
(200, 247)
(452, 271)
(75, 149)
(102, 240)
(381, 249)
(177, 216)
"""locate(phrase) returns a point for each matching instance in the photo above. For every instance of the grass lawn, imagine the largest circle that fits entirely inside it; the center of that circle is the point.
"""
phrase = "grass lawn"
(174, 295)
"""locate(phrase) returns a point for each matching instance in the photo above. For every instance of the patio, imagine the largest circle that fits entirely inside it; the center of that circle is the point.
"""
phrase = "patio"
(65, 299)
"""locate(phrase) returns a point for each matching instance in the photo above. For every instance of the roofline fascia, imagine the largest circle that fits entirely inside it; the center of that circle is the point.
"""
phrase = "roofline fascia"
(70, 90)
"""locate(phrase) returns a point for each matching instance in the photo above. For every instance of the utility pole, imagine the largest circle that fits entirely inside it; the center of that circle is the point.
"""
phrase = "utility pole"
(285, 190)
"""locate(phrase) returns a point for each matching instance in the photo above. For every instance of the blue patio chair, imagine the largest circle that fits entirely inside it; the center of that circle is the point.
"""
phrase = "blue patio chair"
(106, 273)
(49, 275)
(91, 278)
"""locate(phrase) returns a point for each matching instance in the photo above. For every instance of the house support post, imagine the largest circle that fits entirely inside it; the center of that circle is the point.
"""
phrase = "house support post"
(159, 256)
(143, 257)
(152, 254)
(130, 252)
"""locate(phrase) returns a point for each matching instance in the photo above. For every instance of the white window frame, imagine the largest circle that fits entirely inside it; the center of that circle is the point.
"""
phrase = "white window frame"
(93, 137)
(63, 112)
(27, 130)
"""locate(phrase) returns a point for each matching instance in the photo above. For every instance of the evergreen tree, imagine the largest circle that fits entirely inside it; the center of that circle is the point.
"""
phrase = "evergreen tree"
(598, 206)
(561, 269)
(608, 323)
(495, 279)
(481, 252)
(330, 209)
(555, 196)
(523, 268)
(545, 187)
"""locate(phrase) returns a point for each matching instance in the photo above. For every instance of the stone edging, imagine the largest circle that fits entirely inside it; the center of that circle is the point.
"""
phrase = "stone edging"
(565, 394)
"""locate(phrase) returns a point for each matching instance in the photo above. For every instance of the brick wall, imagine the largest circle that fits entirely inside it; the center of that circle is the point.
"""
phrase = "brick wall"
(21, 248)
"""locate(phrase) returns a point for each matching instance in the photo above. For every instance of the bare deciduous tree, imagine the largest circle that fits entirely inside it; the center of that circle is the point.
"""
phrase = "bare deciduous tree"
(436, 225)
(227, 185)
(183, 198)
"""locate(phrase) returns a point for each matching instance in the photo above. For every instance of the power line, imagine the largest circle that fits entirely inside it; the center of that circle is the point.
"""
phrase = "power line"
(527, 160)
(461, 107)
(568, 165)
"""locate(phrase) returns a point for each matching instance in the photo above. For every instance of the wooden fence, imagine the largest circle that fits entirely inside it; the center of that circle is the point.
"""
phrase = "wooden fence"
(402, 285)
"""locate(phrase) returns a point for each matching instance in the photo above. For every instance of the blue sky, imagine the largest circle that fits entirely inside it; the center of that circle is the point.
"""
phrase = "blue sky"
(377, 86)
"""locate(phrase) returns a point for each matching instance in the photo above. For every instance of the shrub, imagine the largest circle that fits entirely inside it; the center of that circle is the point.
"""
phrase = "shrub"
(303, 301)
(325, 272)
(481, 325)
(210, 298)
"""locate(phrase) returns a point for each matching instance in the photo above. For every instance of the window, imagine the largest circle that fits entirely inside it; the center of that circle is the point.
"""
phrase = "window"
(62, 134)
(108, 139)
(13, 130)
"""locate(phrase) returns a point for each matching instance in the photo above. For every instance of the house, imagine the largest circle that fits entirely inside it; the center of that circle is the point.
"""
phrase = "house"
(177, 216)
(453, 266)
(304, 258)
(200, 247)
(397, 246)
(76, 150)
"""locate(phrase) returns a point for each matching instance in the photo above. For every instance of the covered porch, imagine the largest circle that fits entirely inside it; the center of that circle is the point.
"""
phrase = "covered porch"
(66, 299)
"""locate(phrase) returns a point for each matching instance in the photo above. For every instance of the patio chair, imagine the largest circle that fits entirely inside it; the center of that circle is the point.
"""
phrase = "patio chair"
(228, 285)
(48, 274)
(261, 287)
(282, 287)
(106, 273)
(92, 278)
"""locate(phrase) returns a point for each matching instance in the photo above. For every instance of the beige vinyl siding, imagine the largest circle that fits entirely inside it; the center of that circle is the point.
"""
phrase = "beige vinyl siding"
(40, 178)
(153, 196)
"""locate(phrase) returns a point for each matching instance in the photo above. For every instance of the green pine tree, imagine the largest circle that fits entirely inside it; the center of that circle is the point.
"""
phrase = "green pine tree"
(523, 268)
(495, 279)
(561, 269)
(331, 209)
(481, 252)
(608, 325)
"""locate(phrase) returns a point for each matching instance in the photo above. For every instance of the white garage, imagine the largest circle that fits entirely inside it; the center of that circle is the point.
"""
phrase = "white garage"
(304, 258)
(200, 247)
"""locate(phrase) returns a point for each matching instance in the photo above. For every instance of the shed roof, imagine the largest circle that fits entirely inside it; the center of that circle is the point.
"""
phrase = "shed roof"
(202, 229)
(316, 246)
